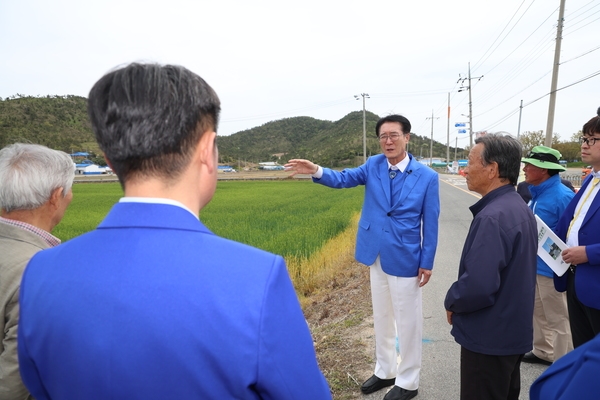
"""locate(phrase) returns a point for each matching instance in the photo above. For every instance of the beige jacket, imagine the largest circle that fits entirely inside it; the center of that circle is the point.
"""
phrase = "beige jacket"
(17, 246)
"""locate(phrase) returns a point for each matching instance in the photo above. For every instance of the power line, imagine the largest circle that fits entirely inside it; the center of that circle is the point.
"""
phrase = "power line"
(516, 94)
(522, 43)
(499, 35)
(513, 112)
(586, 24)
(517, 71)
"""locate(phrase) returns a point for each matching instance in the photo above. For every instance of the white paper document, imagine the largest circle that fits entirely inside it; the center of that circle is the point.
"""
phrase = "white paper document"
(550, 248)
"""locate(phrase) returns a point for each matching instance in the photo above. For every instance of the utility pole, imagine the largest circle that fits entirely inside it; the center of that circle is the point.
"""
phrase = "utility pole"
(455, 147)
(364, 95)
(552, 105)
(462, 80)
(519, 127)
(431, 143)
(448, 134)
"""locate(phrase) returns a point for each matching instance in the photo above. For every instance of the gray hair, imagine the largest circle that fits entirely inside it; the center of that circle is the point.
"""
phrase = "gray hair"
(29, 173)
(504, 150)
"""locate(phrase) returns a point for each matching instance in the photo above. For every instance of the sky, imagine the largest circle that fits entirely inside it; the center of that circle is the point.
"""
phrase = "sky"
(268, 60)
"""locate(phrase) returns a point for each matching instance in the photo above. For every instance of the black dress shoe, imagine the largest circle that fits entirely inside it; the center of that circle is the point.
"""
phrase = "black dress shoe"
(533, 359)
(374, 384)
(398, 393)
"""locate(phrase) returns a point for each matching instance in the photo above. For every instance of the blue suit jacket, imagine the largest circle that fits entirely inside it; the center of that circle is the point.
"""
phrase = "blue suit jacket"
(587, 278)
(152, 305)
(573, 376)
(393, 231)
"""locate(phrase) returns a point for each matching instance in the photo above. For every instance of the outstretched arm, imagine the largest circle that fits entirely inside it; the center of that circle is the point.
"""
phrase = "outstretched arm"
(300, 166)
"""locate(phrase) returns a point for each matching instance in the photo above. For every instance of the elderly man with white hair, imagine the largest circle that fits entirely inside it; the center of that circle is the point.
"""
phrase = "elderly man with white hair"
(35, 190)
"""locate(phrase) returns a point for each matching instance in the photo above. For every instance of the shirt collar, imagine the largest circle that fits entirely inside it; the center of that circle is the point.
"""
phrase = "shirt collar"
(46, 236)
(156, 200)
(488, 198)
(401, 165)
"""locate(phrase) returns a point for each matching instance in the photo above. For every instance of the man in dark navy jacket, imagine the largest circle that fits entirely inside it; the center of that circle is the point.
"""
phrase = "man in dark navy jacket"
(490, 306)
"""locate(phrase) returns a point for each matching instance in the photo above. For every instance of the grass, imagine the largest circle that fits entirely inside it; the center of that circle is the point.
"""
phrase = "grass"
(91, 202)
(291, 218)
(311, 226)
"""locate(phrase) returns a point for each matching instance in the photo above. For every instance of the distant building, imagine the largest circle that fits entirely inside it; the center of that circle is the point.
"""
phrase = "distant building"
(270, 166)
(434, 160)
(86, 167)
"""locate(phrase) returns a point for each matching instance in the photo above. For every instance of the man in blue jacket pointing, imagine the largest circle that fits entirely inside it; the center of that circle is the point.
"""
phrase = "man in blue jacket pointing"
(397, 239)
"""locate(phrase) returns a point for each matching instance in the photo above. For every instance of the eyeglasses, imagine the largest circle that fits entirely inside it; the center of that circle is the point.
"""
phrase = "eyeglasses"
(393, 136)
(590, 141)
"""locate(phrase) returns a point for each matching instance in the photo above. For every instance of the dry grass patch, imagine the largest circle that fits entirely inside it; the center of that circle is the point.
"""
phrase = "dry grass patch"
(336, 299)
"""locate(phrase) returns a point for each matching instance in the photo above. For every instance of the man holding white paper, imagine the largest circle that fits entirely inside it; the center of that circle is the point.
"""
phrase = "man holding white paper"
(578, 227)
(551, 332)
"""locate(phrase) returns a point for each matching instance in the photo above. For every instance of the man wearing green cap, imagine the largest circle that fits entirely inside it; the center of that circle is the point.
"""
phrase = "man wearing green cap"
(551, 332)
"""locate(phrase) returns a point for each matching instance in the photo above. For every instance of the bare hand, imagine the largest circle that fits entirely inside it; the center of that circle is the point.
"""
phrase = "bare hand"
(424, 275)
(449, 316)
(300, 166)
(575, 255)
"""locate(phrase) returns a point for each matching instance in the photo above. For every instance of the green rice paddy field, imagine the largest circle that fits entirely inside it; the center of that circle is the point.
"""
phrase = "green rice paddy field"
(292, 218)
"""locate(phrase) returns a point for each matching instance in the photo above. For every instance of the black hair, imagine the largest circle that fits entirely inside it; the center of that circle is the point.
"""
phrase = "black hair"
(403, 121)
(148, 118)
(593, 125)
(553, 172)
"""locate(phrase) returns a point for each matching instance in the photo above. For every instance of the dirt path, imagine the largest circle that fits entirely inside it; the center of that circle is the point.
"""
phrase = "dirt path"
(341, 322)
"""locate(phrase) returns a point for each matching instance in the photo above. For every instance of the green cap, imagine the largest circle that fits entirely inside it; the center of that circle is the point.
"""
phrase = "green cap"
(544, 157)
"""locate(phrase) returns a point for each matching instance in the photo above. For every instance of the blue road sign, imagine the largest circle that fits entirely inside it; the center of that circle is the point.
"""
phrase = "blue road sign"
(460, 124)
(462, 131)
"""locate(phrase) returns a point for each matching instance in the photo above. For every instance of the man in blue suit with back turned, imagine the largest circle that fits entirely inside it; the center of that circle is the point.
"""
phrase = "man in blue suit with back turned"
(152, 305)
(397, 237)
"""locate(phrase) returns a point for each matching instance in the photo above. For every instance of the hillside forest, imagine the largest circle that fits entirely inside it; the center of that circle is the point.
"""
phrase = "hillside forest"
(61, 122)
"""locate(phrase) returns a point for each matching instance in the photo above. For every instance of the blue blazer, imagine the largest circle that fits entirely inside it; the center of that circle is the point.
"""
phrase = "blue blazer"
(152, 305)
(393, 231)
(587, 278)
(573, 376)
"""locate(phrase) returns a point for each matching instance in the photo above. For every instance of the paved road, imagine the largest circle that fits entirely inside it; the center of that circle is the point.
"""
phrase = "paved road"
(441, 354)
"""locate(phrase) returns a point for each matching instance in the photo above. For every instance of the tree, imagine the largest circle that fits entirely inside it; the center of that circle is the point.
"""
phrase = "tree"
(570, 151)
(531, 139)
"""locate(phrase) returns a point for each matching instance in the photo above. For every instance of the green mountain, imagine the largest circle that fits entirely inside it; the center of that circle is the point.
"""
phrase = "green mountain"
(61, 122)
(332, 144)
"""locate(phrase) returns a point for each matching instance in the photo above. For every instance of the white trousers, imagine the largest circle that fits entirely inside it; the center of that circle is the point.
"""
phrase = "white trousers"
(397, 310)
(551, 330)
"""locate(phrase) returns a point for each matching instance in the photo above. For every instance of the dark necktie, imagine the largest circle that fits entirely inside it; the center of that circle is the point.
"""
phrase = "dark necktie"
(392, 173)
